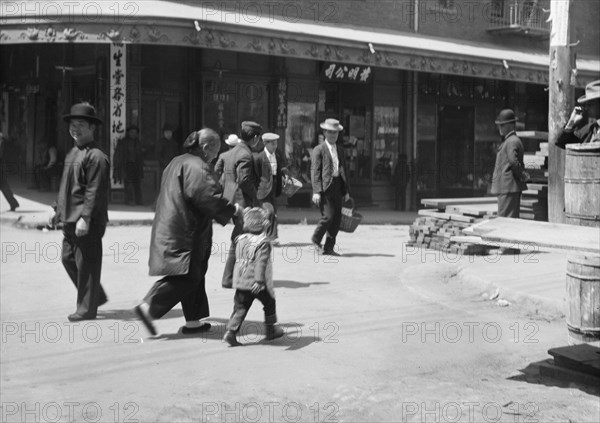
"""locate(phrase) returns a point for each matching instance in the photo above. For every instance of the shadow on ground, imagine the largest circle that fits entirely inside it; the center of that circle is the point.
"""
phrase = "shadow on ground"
(531, 374)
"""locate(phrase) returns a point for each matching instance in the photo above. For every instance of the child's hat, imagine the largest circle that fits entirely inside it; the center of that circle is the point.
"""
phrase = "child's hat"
(255, 219)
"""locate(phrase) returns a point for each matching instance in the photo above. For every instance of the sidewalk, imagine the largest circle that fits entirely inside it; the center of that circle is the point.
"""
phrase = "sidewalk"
(36, 206)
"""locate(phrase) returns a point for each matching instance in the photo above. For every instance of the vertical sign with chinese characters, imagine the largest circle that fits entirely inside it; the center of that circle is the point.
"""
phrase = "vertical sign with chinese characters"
(282, 103)
(118, 99)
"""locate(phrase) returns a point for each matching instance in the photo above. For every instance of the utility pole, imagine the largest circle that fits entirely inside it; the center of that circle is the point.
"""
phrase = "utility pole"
(561, 91)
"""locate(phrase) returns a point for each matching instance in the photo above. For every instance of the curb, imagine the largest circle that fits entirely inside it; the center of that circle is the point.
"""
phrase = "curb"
(545, 305)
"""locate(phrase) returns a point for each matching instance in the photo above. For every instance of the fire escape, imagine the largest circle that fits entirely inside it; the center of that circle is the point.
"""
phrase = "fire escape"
(524, 17)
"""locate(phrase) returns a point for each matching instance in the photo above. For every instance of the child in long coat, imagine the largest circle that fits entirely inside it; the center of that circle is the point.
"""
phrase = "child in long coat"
(253, 275)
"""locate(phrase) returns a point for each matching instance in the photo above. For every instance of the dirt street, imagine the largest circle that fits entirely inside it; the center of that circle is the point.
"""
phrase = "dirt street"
(375, 335)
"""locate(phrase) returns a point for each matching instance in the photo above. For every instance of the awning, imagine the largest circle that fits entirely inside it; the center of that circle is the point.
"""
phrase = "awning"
(249, 29)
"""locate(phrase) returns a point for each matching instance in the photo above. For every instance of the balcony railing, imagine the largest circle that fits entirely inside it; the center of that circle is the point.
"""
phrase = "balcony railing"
(519, 18)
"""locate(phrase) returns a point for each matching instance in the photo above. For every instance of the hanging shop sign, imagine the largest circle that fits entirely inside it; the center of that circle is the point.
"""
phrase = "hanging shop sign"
(282, 103)
(118, 98)
(349, 73)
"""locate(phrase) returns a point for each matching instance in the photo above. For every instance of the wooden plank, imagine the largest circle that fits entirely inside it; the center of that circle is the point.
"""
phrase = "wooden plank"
(536, 135)
(443, 202)
(539, 234)
(583, 358)
(474, 210)
(537, 187)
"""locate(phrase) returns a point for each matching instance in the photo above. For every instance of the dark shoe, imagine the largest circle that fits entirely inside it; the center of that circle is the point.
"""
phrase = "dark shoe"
(190, 331)
(331, 253)
(78, 317)
(13, 208)
(274, 332)
(145, 320)
(231, 339)
(102, 302)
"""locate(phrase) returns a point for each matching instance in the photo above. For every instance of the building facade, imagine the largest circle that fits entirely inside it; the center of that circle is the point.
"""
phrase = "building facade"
(416, 84)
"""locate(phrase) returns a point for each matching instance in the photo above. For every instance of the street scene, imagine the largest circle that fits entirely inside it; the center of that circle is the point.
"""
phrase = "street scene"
(300, 211)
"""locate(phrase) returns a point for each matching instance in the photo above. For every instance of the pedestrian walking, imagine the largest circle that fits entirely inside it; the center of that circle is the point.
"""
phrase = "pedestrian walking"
(330, 186)
(583, 125)
(232, 140)
(82, 207)
(180, 245)
(253, 275)
(239, 185)
(270, 169)
(129, 165)
(4, 187)
(509, 178)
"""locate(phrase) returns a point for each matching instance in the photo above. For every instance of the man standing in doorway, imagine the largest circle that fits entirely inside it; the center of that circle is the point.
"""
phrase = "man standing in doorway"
(509, 178)
(330, 186)
(129, 165)
(82, 206)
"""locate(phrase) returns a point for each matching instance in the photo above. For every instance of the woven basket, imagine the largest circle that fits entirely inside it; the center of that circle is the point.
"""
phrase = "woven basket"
(350, 218)
(290, 186)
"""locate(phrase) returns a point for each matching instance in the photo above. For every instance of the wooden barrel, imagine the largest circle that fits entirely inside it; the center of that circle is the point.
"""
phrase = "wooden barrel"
(582, 184)
(583, 299)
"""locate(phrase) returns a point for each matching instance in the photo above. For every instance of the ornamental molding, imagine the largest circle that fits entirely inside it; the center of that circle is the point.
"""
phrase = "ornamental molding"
(312, 48)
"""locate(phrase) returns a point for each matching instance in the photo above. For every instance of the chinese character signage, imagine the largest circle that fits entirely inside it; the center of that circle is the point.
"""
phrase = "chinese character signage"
(282, 103)
(118, 98)
(350, 73)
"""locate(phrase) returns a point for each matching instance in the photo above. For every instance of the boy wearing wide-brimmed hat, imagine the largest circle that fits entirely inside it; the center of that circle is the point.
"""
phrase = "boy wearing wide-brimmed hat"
(583, 126)
(82, 207)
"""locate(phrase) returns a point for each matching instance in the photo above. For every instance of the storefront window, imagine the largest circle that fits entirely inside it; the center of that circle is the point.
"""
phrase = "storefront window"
(385, 145)
(299, 139)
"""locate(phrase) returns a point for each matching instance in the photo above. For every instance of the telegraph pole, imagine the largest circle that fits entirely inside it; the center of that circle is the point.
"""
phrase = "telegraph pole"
(561, 91)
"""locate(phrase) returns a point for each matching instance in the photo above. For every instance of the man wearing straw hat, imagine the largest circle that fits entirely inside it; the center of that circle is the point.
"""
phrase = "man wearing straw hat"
(509, 178)
(583, 126)
(330, 186)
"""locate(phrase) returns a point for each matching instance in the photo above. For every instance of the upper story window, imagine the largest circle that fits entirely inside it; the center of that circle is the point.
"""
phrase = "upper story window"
(497, 8)
(447, 4)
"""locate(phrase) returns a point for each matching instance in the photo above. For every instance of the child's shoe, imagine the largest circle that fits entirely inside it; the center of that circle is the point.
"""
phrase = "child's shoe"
(274, 332)
(231, 339)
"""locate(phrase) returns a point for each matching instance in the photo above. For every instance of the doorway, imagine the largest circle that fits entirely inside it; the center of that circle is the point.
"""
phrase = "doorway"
(156, 111)
(455, 150)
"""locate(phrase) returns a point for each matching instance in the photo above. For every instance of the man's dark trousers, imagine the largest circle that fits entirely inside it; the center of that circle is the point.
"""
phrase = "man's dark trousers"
(509, 205)
(189, 290)
(331, 214)
(238, 229)
(82, 259)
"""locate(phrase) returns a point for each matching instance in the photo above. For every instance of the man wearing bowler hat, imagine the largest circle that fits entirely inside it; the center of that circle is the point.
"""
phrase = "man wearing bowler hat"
(239, 185)
(509, 178)
(330, 186)
(583, 125)
(82, 207)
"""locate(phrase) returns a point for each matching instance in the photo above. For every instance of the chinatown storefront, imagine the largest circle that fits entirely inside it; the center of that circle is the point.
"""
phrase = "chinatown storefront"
(414, 125)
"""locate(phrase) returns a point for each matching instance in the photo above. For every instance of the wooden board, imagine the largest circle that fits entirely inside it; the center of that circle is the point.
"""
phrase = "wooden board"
(476, 210)
(441, 203)
(536, 135)
(583, 358)
(445, 216)
(539, 234)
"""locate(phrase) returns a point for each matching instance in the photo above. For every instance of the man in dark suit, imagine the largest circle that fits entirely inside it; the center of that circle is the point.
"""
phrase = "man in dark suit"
(190, 199)
(330, 186)
(270, 168)
(583, 125)
(239, 185)
(82, 206)
(509, 178)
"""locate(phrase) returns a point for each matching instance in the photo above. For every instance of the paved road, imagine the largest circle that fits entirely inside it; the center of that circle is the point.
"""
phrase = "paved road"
(371, 336)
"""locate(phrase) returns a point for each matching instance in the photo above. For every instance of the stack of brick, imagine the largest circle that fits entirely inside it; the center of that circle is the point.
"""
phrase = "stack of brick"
(534, 201)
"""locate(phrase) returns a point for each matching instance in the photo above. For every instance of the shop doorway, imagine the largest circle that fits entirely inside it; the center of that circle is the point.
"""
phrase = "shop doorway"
(157, 110)
(455, 151)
